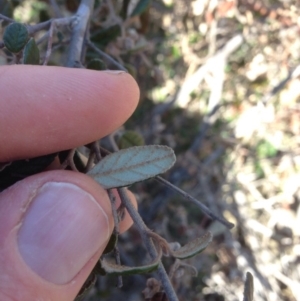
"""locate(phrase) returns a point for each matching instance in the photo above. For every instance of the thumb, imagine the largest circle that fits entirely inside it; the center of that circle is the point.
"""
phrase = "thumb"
(54, 227)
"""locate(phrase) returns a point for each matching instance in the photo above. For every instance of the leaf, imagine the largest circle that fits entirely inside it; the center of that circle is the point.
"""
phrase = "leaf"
(133, 164)
(103, 36)
(141, 6)
(31, 53)
(131, 138)
(194, 247)
(15, 37)
(249, 287)
(111, 244)
(115, 269)
(88, 284)
(96, 64)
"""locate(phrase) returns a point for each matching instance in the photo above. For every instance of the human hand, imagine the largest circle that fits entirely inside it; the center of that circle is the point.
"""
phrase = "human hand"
(56, 224)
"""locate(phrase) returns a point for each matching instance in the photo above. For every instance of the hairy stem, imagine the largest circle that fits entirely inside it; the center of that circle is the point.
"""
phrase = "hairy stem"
(143, 229)
(116, 231)
(78, 33)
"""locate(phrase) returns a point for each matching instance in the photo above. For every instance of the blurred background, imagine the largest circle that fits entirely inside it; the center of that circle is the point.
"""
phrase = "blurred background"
(220, 85)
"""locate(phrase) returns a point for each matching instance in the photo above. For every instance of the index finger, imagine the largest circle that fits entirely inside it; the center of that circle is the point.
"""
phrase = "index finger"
(47, 109)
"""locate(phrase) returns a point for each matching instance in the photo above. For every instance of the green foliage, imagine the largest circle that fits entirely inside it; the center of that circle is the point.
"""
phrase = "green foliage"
(193, 247)
(114, 269)
(31, 53)
(265, 150)
(96, 64)
(15, 37)
(129, 139)
(141, 6)
(103, 36)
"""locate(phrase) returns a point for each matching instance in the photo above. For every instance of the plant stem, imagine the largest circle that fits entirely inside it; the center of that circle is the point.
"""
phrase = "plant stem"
(77, 38)
(196, 202)
(143, 229)
(116, 231)
(106, 56)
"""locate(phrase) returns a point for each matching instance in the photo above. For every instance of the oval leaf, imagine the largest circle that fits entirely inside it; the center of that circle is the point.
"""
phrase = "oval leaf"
(96, 64)
(15, 37)
(194, 247)
(31, 53)
(111, 244)
(141, 6)
(249, 288)
(131, 138)
(115, 269)
(132, 165)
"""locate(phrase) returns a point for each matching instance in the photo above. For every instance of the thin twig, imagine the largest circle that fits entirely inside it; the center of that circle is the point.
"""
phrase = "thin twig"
(49, 45)
(116, 231)
(32, 29)
(2, 17)
(106, 56)
(70, 161)
(143, 229)
(90, 161)
(77, 38)
(96, 149)
(56, 9)
(196, 202)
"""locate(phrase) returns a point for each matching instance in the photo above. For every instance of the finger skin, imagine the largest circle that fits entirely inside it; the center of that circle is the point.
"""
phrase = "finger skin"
(47, 109)
(17, 280)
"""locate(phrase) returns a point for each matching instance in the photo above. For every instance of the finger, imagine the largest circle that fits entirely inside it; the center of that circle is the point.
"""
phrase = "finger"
(126, 222)
(54, 227)
(47, 109)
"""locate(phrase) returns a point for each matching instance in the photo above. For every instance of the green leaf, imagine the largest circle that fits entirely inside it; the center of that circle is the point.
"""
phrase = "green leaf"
(15, 37)
(131, 138)
(194, 247)
(103, 36)
(141, 6)
(111, 244)
(96, 64)
(115, 269)
(31, 53)
(249, 288)
(133, 164)
(88, 284)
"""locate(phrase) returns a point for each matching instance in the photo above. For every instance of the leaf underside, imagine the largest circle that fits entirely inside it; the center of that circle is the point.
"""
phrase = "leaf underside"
(194, 247)
(133, 164)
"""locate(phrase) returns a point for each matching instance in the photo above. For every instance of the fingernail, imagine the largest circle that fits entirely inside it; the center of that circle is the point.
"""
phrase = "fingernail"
(114, 71)
(62, 229)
